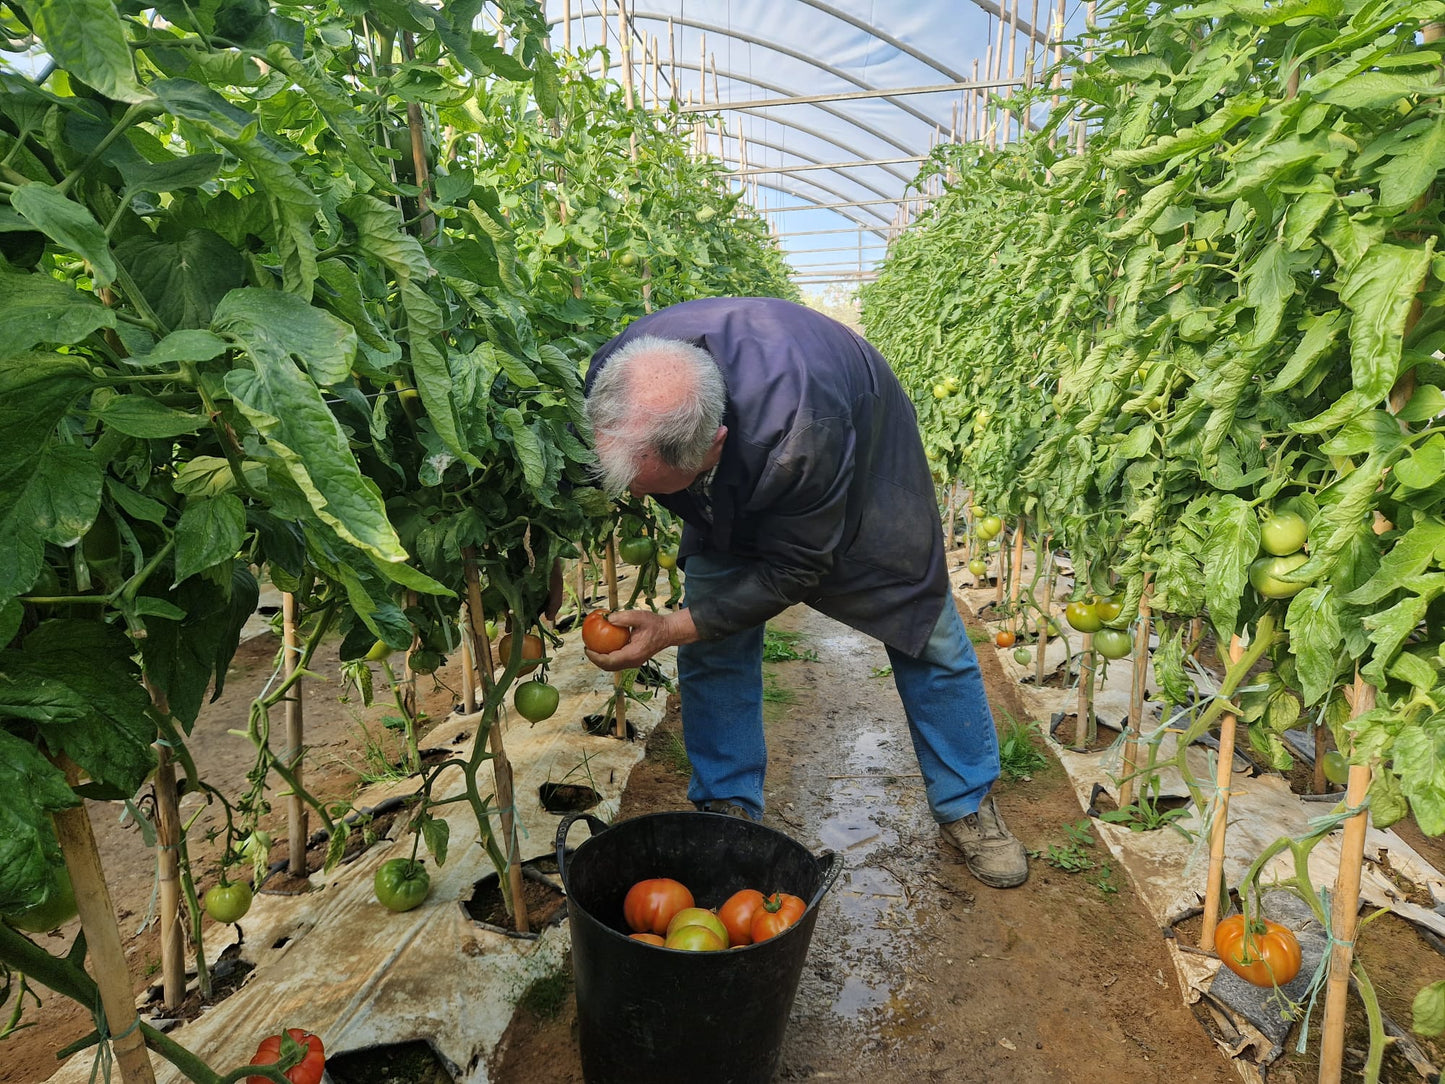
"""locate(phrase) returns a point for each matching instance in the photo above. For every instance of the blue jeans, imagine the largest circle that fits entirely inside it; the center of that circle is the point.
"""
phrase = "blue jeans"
(721, 685)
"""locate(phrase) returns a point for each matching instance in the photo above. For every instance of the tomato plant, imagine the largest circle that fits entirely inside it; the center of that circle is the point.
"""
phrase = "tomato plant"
(600, 635)
(401, 884)
(535, 700)
(737, 915)
(1261, 952)
(227, 903)
(651, 904)
(273, 1048)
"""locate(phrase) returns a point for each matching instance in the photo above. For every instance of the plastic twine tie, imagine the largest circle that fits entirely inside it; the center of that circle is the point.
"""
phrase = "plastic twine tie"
(1321, 972)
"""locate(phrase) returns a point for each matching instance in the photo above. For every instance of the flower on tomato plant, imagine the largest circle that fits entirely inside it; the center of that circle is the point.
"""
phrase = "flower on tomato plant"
(401, 884)
(1258, 951)
(276, 1049)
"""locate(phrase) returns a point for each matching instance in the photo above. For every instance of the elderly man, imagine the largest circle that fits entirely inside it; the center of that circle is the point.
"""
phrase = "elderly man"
(791, 453)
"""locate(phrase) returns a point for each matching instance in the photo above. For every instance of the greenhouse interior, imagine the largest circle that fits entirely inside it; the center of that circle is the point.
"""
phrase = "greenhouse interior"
(600, 541)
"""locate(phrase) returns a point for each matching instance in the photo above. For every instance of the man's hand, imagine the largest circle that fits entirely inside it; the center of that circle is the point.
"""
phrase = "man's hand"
(650, 634)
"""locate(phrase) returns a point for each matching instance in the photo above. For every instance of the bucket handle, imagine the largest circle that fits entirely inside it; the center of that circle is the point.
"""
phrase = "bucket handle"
(595, 824)
(832, 864)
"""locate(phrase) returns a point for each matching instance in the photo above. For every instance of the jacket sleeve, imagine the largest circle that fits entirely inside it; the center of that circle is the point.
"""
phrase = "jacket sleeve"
(791, 526)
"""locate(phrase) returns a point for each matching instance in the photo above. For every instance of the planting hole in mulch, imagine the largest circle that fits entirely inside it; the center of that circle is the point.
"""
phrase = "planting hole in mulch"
(600, 724)
(545, 901)
(412, 1062)
(228, 972)
(567, 797)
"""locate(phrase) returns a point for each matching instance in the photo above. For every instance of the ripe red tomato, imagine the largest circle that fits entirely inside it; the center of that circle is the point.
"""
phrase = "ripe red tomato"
(1261, 952)
(1004, 638)
(650, 905)
(307, 1071)
(601, 635)
(778, 912)
(531, 650)
(737, 915)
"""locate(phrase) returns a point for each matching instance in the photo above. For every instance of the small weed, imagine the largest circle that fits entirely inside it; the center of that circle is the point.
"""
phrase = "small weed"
(1146, 815)
(782, 646)
(1072, 856)
(545, 997)
(1018, 755)
(979, 636)
(673, 753)
(1104, 880)
(773, 693)
(881, 672)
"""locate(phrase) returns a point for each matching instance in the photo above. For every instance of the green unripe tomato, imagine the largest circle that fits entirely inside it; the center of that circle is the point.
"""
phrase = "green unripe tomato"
(1265, 573)
(1283, 533)
(228, 902)
(401, 884)
(636, 551)
(940, 392)
(1337, 768)
(1022, 656)
(1083, 616)
(535, 701)
(1113, 643)
(379, 650)
(667, 558)
(978, 566)
(56, 909)
(990, 527)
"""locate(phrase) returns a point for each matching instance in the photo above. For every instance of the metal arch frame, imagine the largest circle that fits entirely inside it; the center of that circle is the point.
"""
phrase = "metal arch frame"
(882, 222)
(805, 159)
(713, 28)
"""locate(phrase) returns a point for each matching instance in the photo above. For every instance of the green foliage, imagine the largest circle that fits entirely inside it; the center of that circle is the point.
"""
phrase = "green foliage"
(1019, 757)
(246, 327)
(1231, 303)
(780, 645)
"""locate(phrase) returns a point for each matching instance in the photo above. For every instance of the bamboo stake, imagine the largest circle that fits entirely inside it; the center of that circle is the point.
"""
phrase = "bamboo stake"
(619, 700)
(168, 865)
(1058, 79)
(990, 130)
(296, 812)
(1318, 783)
(671, 62)
(1223, 775)
(1136, 699)
(1016, 574)
(102, 935)
(1029, 65)
(1013, 30)
(469, 679)
(1345, 905)
(501, 766)
(567, 26)
(1046, 558)
(1081, 131)
(1087, 725)
(970, 116)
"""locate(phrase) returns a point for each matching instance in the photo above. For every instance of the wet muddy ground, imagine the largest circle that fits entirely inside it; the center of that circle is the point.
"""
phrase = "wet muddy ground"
(916, 971)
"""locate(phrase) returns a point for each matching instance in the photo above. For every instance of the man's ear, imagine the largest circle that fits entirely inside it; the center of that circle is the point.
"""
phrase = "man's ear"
(714, 453)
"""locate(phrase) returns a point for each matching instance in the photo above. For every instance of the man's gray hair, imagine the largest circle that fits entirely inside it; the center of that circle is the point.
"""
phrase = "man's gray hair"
(680, 435)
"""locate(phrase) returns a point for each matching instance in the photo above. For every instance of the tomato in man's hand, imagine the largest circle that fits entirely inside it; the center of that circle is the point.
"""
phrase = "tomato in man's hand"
(601, 635)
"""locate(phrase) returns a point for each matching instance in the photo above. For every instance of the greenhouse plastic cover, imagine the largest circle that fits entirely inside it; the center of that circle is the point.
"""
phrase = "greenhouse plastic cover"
(769, 49)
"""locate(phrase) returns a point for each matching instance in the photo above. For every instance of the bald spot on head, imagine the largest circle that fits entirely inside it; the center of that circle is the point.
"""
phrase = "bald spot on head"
(657, 383)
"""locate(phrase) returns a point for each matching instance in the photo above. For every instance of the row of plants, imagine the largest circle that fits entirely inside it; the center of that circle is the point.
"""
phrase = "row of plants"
(299, 293)
(1202, 357)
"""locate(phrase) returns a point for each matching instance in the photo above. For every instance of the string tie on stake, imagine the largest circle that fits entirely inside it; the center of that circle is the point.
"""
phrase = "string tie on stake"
(1321, 973)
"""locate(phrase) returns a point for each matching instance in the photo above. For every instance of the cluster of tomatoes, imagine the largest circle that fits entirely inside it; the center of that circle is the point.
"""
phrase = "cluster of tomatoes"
(1094, 617)
(661, 911)
(1282, 539)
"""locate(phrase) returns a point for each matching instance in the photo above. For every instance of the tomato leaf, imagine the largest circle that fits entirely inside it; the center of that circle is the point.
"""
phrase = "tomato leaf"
(288, 411)
(284, 324)
(1427, 1012)
(210, 531)
(76, 680)
(87, 37)
(139, 416)
(69, 225)
(435, 833)
(1313, 624)
(36, 788)
(1419, 761)
(185, 279)
(37, 309)
(1231, 544)
(1378, 291)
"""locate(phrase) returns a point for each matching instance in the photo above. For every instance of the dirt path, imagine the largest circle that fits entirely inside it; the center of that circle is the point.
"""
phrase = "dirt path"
(916, 971)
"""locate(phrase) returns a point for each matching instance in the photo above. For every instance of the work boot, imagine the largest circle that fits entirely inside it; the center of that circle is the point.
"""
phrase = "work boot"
(717, 805)
(990, 850)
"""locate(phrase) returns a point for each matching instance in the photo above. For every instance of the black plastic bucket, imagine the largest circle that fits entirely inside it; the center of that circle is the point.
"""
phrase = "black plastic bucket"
(655, 1014)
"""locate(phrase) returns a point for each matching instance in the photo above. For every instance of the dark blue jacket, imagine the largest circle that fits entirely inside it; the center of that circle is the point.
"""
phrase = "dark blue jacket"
(822, 487)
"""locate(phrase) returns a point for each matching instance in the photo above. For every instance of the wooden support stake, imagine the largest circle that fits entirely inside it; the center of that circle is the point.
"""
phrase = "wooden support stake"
(1136, 699)
(102, 935)
(296, 812)
(1345, 905)
(1223, 776)
(469, 673)
(168, 865)
(1046, 558)
(1318, 783)
(1016, 573)
(619, 698)
(501, 766)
